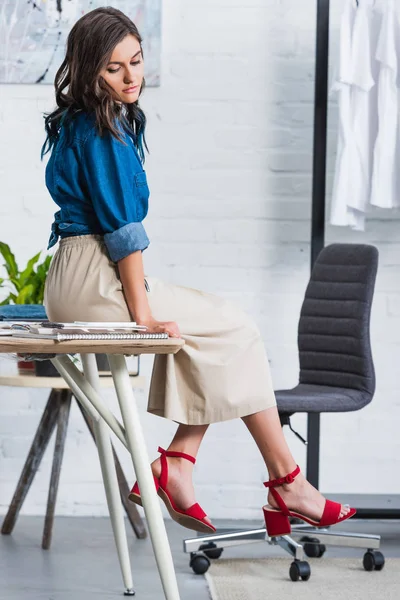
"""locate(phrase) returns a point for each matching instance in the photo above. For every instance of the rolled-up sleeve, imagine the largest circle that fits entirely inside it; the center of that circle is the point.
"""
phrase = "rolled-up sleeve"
(117, 189)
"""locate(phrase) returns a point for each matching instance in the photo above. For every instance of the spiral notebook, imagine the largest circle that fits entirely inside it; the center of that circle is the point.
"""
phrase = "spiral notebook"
(83, 331)
(60, 337)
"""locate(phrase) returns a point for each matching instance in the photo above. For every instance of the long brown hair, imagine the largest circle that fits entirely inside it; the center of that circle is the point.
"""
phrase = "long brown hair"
(90, 44)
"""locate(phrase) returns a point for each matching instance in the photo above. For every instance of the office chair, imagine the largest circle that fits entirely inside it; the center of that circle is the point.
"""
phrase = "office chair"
(336, 375)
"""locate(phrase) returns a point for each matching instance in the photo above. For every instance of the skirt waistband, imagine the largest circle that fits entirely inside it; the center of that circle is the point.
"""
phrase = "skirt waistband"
(82, 240)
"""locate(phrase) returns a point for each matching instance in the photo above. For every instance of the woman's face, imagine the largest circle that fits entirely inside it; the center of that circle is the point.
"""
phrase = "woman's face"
(124, 72)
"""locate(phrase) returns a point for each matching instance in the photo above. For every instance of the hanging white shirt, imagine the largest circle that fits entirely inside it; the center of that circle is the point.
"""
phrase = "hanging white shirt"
(364, 101)
(340, 213)
(384, 192)
(358, 128)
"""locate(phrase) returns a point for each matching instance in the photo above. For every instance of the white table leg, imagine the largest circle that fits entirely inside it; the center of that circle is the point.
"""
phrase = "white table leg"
(104, 448)
(137, 448)
(87, 396)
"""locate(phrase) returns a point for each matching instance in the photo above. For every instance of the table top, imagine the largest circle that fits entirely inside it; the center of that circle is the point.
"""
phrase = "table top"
(33, 381)
(35, 346)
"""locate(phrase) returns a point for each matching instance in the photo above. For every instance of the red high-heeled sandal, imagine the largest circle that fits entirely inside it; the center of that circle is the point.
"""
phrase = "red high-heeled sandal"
(192, 517)
(277, 519)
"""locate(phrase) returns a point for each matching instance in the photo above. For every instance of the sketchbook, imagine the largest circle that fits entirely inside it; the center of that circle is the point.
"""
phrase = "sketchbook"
(75, 325)
(48, 330)
(115, 335)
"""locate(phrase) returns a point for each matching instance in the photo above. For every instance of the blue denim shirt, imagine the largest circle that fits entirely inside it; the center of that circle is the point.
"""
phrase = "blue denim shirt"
(99, 185)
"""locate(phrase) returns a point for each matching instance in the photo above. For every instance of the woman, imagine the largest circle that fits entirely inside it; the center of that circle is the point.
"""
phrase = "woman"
(95, 174)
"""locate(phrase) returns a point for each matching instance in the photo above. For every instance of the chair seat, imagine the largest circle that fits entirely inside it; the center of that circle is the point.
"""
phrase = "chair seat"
(320, 398)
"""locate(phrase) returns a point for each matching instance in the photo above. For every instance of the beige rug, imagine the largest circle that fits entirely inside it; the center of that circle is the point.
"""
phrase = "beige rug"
(331, 579)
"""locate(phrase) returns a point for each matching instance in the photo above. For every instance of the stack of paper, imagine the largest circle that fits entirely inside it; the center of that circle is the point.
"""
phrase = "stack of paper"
(78, 327)
(49, 328)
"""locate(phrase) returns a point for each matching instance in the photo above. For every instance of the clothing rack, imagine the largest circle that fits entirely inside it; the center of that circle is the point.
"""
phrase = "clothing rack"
(318, 195)
(391, 509)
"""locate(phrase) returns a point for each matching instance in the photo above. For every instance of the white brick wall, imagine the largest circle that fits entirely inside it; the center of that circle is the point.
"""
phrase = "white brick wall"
(230, 134)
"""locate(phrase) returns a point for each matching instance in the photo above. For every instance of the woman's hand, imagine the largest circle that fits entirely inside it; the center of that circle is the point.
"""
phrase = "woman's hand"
(154, 326)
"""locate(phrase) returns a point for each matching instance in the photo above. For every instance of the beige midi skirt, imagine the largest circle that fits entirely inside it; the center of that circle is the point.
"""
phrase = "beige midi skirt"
(221, 373)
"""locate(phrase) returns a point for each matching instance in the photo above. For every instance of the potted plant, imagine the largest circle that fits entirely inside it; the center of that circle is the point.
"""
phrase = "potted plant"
(28, 285)
(25, 286)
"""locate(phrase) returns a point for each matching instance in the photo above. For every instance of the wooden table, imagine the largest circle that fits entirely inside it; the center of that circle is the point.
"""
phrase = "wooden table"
(86, 389)
(55, 413)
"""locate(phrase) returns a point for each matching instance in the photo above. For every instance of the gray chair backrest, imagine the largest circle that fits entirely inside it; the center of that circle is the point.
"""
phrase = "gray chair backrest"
(333, 334)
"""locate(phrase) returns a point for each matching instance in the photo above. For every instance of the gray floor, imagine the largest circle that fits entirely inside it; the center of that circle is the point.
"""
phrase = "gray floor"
(82, 563)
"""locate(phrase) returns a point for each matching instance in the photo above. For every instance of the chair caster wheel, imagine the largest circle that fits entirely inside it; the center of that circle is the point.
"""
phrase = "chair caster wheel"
(312, 548)
(199, 563)
(211, 551)
(373, 560)
(300, 569)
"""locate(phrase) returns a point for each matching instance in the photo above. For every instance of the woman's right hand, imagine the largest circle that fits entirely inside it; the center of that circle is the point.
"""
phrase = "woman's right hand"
(154, 326)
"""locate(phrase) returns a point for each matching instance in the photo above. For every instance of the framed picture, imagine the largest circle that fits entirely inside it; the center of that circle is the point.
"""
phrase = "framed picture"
(33, 35)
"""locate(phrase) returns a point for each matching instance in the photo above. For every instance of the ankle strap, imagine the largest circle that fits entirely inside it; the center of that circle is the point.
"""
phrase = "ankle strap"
(289, 478)
(176, 455)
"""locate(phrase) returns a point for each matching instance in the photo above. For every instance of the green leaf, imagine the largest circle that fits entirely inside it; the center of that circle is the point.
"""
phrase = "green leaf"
(10, 264)
(28, 285)
(25, 295)
(26, 273)
(41, 275)
(16, 283)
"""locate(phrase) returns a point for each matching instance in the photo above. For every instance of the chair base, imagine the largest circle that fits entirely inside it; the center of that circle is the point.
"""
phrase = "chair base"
(313, 541)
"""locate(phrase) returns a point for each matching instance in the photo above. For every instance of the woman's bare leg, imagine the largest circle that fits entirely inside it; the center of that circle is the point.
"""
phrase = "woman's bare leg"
(265, 427)
(187, 439)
